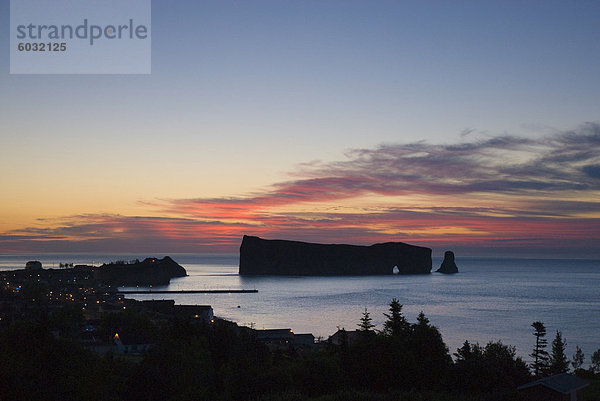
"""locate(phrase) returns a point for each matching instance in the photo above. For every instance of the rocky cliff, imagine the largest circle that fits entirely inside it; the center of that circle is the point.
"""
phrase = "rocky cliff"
(448, 265)
(150, 271)
(279, 257)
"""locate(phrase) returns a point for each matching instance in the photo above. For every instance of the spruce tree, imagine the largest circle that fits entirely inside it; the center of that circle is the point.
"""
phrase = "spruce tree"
(396, 324)
(578, 358)
(422, 320)
(539, 354)
(427, 349)
(595, 366)
(366, 324)
(558, 360)
(468, 352)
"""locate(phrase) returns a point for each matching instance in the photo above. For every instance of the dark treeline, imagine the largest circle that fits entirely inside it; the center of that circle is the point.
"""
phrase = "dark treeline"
(221, 361)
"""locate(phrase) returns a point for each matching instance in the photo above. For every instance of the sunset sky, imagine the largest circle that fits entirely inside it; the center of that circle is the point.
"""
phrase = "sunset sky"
(470, 125)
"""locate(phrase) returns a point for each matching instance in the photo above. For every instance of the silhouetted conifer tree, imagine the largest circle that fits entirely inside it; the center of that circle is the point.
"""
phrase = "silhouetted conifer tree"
(366, 324)
(422, 320)
(558, 360)
(539, 354)
(430, 357)
(494, 367)
(595, 366)
(578, 358)
(396, 324)
(467, 352)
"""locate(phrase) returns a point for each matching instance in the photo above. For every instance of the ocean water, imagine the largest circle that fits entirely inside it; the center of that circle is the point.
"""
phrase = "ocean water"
(489, 300)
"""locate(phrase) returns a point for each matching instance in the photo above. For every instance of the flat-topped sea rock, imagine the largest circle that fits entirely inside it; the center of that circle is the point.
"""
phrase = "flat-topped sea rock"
(294, 258)
(150, 271)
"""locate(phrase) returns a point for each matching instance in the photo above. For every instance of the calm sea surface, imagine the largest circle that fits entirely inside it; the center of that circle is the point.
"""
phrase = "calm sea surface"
(490, 299)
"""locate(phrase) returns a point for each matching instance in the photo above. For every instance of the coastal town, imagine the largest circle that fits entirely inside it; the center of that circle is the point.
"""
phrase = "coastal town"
(76, 315)
(90, 296)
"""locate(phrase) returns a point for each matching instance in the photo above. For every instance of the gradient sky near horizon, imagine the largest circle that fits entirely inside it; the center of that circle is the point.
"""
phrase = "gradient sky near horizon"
(469, 125)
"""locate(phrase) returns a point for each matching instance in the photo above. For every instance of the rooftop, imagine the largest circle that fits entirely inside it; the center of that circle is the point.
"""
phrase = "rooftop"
(563, 383)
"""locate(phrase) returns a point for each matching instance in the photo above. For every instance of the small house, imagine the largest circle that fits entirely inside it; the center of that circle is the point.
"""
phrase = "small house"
(280, 339)
(304, 339)
(275, 336)
(561, 387)
(348, 336)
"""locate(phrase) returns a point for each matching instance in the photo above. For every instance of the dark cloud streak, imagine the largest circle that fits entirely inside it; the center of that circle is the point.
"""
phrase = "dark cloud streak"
(511, 189)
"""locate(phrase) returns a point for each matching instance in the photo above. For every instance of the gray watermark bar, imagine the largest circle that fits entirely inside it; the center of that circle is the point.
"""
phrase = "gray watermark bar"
(80, 37)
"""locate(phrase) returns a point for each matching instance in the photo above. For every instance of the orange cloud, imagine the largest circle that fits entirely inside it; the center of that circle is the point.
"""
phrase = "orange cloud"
(502, 193)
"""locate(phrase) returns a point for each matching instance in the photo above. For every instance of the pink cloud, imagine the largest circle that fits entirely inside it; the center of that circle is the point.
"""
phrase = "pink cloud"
(527, 183)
